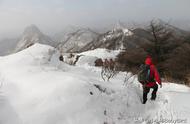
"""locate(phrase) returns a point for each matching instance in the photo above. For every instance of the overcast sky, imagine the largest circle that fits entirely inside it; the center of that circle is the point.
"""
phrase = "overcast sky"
(53, 15)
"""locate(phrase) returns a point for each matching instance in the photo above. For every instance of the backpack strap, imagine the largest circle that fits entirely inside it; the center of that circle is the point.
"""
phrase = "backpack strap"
(151, 77)
(149, 72)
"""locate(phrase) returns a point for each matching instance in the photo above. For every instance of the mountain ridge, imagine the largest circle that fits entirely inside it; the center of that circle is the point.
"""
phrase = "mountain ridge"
(32, 35)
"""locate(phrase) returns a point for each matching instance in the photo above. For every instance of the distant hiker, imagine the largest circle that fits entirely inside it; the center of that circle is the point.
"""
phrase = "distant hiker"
(112, 64)
(106, 63)
(148, 77)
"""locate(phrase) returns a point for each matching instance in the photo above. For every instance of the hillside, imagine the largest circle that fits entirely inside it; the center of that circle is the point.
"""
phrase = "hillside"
(118, 38)
(37, 88)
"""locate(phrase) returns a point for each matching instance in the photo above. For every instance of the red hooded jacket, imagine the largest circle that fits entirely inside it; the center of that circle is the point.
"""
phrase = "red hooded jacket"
(153, 72)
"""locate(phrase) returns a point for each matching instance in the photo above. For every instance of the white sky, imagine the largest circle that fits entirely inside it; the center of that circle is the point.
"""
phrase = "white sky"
(53, 15)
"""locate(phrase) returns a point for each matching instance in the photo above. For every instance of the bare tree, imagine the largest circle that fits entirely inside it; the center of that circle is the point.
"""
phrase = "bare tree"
(161, 38)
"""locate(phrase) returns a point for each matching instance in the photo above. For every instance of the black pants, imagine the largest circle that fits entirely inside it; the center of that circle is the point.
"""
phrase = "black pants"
(146, 91)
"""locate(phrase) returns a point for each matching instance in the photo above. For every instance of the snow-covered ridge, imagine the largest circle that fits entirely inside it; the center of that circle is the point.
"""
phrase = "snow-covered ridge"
(117, 32)
(120, 27)
(117, 38)
(36, 88)
(101, 53)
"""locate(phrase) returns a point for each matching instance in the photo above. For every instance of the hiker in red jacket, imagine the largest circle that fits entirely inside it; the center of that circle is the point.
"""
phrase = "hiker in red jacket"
(153, 83)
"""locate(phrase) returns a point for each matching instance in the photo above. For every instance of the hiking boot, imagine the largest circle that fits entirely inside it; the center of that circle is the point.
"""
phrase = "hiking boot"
(144, 101)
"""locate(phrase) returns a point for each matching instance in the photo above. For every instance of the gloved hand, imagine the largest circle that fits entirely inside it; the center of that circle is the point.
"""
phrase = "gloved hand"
(144, 86)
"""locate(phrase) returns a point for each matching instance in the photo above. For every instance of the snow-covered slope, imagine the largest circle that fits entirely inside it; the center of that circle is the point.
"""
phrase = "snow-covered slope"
(32, 35)
(38, 90)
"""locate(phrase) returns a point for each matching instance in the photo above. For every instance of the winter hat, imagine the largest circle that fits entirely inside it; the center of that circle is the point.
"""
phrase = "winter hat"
(148, 60)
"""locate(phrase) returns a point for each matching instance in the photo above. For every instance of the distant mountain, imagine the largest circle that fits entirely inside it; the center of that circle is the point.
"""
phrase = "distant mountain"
(62, 35)
(118, 38)
(177, 32)
(33, 35)
(183, 24)
(7, 46)
(122, 38)
(76, 39)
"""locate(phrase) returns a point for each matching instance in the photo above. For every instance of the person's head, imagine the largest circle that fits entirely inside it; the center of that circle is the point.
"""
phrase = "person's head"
(148, 60)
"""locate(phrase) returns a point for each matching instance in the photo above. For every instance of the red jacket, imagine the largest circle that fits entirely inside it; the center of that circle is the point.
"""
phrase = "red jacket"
(153, 72)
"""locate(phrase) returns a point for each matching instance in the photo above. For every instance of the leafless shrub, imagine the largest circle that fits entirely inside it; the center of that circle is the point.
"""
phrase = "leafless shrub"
(99, 62)
(108, 70)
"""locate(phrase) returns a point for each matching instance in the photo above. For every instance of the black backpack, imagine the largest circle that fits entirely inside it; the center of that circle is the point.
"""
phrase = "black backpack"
(144, 74)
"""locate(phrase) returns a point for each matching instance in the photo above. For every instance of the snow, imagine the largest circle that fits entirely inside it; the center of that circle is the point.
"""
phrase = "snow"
(86, 60)
(36, 88)
(101, 53)
(120, 26)
(127, 32)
